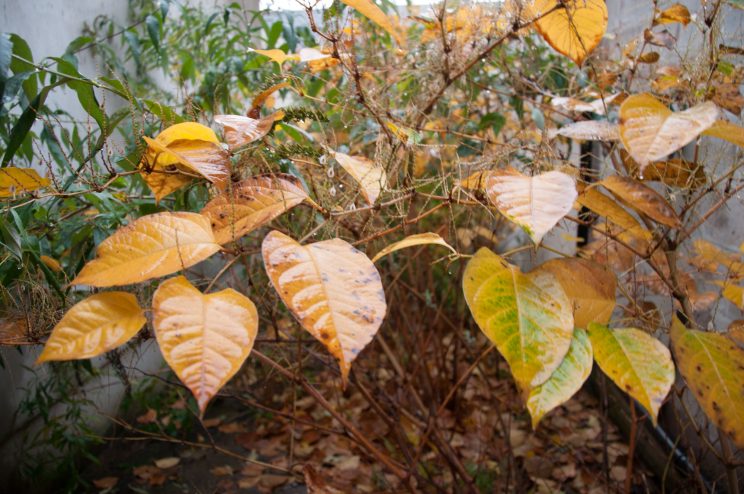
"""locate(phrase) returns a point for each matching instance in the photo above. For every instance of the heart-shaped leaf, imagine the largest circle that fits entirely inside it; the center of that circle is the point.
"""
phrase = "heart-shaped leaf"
(565, 381)
(332, 289)
(534, 203)
(94, 326)
(252, 203)
(650, 131)
(573, 27)
(713, 367)
(149, 247)
(590, 286)
(638, 363)
(204, 338)
(528, 317)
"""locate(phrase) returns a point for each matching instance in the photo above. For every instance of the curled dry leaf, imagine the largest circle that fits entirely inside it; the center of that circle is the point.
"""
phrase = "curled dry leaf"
(160, 169)
(370, 176)
(643, 199)
(675, 13)
(528, 317)
(675, 172)
(94, 326)
(565, 381)
(149, 247)
(263, 96)
(204, 338)
(711, 365)
(573, 27)
(607, 207)
(590, 286)
(411, 241)
(252, 203)
(638, 363)
(18, 181)
(650, 131)
(588, 130)
(240, 130)
(534, 203)
(332, 289)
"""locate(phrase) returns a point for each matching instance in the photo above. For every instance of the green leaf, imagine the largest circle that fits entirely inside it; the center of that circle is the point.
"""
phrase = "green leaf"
(713, 367)
(153, 30)
(23, 125)
(83, 87)
(494, 120)
(22, 51)
(565, 381)
(638, 363)
(527, 316)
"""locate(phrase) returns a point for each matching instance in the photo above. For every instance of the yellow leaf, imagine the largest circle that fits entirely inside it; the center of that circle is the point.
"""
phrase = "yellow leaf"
(565, 381)
(723, 129)
(16, 181)
(534, 203)
(204, 338)
(251, 203)
(317, 60)
(149, 247)
(200, 157)
(528, 317)
(588, 130)
(262, 97)
(332, 289)
(411, 241)
(372, 12)
(159, 169)
(675, 172)
(650, 131)
(675, 13)
(51, 263)
(638, 363)
(711, 364)
(605, 206)
(94, 326)
(240, 130)
(643, 199)
(371, 177)
(574, 27)
(590, 286)
(277, 55)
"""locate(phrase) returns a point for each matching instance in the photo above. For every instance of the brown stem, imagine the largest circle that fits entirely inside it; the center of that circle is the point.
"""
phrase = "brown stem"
(631, 447)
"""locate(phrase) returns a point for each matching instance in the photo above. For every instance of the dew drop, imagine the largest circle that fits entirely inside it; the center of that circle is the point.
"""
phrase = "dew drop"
(323, 159)
(332, 191)
(331, 172)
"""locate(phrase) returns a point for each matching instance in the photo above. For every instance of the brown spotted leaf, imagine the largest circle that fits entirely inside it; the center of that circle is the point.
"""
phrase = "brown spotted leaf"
(643, 199)
(252, 203)
(333, 290)
(713, 367)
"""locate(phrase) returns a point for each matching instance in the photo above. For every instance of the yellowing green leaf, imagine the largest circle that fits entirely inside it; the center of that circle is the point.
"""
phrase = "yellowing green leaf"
(528, 317)
(723, 129)
(411, 241)
(204, 338)
(94, 326)
(565, 381)
(650, 131)
(590, 286)
(713, 367)
(643, 199)
(371, 177)
(17, 181)
(252, 203)
(638, 363)
(573, 27)
(149, 247)
(332, 289)
(240, 130)
(534, 203)
(372, 12)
